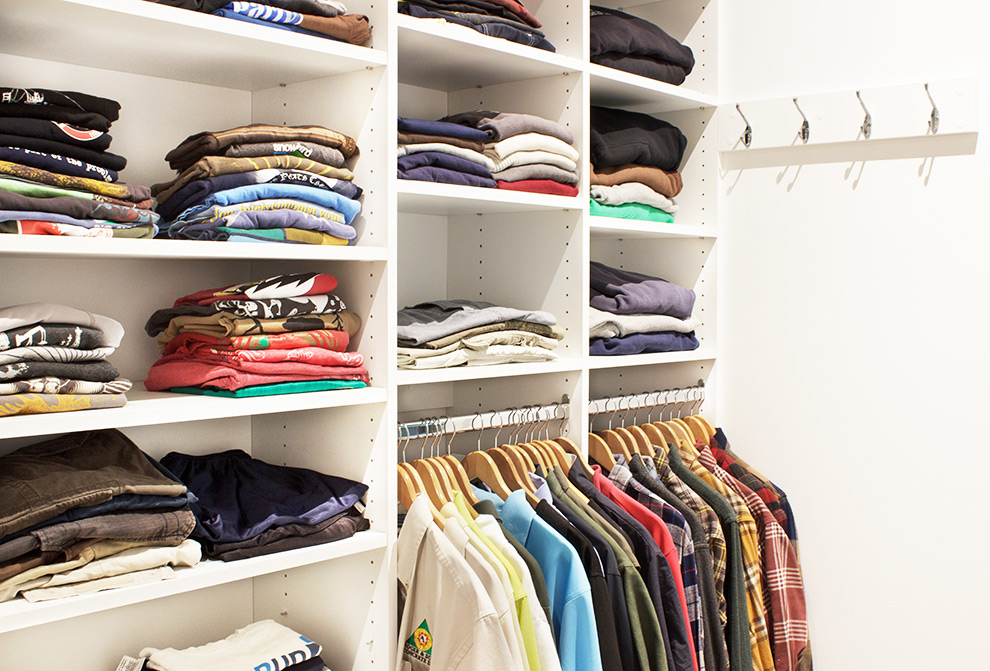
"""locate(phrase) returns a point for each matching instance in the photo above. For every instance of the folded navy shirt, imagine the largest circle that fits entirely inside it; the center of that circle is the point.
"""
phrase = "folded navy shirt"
(240, 496)
(440, 159)
(428, 127)
(643, 66)
(644, 343)
(625, 292)
(429, 173)
(619, 137)
(621, 33)
(499, 30)
(57, 163)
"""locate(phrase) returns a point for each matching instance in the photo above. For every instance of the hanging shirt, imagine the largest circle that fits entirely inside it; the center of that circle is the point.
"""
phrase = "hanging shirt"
(680, 533)
(783, 593)
(715, 652)
(662, 537)
(570, 593)
(448, 620)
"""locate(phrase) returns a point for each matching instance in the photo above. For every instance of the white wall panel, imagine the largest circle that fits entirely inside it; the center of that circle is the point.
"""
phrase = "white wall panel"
(852, 358)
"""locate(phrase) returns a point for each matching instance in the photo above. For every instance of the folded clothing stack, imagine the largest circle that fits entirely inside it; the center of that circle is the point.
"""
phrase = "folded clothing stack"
(88, 512)
(438, 151)
(635, 158)
(262, 183)
(447, 333)
(282, 335)
(631, 44)
(505, 19)
(260, 645)
(53, 358)
(319, 18)
(633, 313)
(528, 153)
(56, 175)
(246, 507)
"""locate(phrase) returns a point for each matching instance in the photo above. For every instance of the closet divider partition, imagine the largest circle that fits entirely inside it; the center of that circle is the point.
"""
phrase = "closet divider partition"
(176, 73)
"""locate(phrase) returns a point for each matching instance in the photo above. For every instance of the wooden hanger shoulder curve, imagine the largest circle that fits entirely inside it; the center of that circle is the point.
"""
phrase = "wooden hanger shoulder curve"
(600, 451)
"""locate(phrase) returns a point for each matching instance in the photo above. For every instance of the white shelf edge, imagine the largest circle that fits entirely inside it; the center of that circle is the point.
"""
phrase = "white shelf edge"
(183, 249)
(650, 87)
(460, 373)
(617, 228)
(603, 362)
(456, 33)
(151, 408)
(20, 614)
(434, 198)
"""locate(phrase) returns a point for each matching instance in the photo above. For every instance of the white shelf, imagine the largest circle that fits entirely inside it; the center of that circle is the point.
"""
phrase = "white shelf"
(411, 377)
(149, 39)
(609, 227)
(701, 354)
(146, 408)
(446, 199)
(615, 88)
(20, 614)
(43, 245)
(450, 57)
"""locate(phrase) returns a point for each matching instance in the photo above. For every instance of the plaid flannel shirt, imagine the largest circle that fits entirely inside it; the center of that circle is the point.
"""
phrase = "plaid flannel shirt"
(783, 589)
(680, 532)
(709, 520)
(759, 634)
(760, 488)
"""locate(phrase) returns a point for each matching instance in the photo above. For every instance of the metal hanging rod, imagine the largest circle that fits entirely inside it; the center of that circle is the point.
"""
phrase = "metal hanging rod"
(480, 421)
(647, 399)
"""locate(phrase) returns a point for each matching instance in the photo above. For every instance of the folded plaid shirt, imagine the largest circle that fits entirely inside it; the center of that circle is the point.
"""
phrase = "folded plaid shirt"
(783, 589)
(759, 634)
(680, 532)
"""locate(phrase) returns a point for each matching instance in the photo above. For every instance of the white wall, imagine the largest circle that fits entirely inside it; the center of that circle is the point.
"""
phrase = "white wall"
(853, 335)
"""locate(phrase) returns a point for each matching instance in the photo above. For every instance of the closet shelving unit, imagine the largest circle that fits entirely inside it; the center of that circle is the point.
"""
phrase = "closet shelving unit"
(177, 73)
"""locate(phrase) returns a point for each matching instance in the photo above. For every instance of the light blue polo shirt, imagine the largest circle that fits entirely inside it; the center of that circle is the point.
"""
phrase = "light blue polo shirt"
(571, 608)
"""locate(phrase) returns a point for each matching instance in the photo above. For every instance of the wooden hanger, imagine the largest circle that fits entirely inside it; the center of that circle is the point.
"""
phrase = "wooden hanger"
(431, 482)
(461, 478)
(643, 442)
(535, 455)
(698, 429)
(513, 468)
(568, 446)
(600, 451)
(480, 465)
(629, 440)
(411, 486)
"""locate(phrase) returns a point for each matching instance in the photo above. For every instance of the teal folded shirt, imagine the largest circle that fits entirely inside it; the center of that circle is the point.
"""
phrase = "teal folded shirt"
(631, 211)
(273, 389)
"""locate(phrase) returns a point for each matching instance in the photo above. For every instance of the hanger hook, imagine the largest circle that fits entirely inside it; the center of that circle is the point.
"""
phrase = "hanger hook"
(628, 408)
(867, 126)
(498, 429)
(933, 120)
(480, 430)
(453, 434)
(805, 132)
(405, 443)
(563, 416)
(747, 136)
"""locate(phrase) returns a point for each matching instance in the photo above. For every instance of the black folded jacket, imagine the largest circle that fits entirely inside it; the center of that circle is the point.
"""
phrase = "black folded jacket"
(619, 137)
(57, 131)
(644, 67)
(56, 113)
(617, 32)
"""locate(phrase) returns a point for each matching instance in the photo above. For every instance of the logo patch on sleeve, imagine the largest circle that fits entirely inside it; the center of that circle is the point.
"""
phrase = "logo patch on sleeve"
(419, 645)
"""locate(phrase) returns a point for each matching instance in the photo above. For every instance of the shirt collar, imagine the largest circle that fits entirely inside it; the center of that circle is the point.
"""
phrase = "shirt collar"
(517, 515)
(414, 529)
(542, 488)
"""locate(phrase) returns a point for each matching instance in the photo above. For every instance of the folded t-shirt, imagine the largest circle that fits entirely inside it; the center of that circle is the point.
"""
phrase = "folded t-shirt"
(620, 136)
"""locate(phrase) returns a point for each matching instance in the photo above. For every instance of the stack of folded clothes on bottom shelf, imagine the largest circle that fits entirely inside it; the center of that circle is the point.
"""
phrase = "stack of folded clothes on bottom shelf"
(629, 43)
(53, 358)
(635, 158)
(319, 18)
(262, 183)
(281, 335)
(505, 19)
(447, 333)
(633, 313)
(264, 645)
(246, 507)
(101, 514)
(56, 175)
(437, 151)
(529, 153)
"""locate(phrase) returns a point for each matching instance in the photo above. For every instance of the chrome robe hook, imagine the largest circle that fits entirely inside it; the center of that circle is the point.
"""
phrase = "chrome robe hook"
(747, 136)
(933, 120)
(805, 132)
(867, 126)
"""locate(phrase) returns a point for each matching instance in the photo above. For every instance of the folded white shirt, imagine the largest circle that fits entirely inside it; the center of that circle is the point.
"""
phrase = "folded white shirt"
(529, 158)
(632, 192)
(531, 142)
(610, 325)
(100, 585)
(495, 354)
(53, 313)
(250, 647)
(444, 148)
